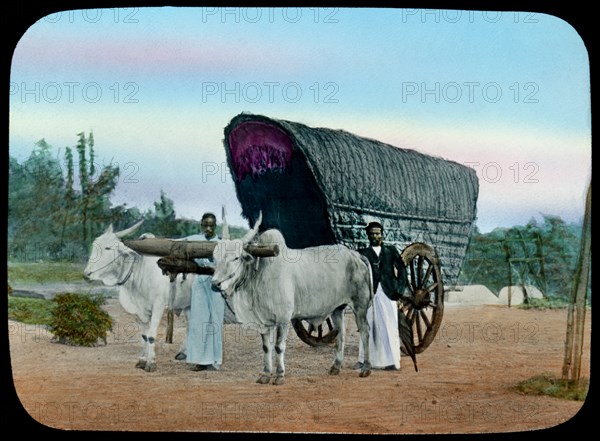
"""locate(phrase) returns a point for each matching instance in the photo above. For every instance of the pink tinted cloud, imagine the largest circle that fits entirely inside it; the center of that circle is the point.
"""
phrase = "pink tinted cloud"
(148, 56)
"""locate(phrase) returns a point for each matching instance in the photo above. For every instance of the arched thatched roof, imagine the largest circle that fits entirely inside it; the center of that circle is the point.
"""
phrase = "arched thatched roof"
(322, 186)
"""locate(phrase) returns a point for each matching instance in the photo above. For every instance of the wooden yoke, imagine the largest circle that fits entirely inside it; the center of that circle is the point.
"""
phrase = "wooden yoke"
(177, 255)
(176, 248)
(172, 266)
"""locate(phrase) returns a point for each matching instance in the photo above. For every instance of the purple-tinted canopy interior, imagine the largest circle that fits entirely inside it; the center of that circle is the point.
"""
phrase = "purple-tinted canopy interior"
(257, 147)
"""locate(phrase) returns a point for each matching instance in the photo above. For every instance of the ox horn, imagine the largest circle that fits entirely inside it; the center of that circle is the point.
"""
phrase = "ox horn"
(129, 230)
(250, 234)
(225, 228)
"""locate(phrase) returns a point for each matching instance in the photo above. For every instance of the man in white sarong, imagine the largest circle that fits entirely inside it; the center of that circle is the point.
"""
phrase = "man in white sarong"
(205, 324)
(389, 283)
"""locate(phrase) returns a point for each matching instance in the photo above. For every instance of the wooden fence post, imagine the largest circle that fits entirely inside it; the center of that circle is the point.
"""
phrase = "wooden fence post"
(576, 313)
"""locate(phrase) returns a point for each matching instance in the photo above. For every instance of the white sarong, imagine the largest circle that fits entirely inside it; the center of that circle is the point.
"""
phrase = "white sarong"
(205, 325)
(384, 339)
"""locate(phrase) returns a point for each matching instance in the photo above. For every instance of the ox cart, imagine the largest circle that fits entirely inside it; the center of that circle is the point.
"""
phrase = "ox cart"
(321, 186)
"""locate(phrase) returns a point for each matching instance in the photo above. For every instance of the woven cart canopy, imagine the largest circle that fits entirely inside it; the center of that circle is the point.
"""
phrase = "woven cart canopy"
(322, 186)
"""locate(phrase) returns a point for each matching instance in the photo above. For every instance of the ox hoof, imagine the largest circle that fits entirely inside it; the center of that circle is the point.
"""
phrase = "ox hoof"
(141, 364)
(334, 370)
(365, 373)
(180, 356)
(150, 367)
(279, 379)
(264, 379)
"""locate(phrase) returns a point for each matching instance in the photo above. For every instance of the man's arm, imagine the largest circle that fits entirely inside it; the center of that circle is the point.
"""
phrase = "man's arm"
(402, 277)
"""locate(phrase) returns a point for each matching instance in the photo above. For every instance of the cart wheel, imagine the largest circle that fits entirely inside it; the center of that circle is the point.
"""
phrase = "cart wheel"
(315, 336)
(426, 285)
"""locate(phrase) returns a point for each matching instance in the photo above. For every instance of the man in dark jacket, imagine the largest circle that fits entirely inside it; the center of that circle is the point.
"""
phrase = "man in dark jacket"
(389, 283)
(386, 264)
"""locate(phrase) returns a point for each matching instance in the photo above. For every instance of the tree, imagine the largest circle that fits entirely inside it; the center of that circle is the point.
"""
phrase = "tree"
(48, 216)
(94, 202)
(164, 210)
(561, 243)
(69, 208)
(485, 261)
(83, 182)
(36, 195)
(122, 217)
(543, 255)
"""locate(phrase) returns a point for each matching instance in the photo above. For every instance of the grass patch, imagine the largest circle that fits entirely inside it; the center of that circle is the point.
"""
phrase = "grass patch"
(30, 311)
(45, 272)
(544, 303)
(546, 384)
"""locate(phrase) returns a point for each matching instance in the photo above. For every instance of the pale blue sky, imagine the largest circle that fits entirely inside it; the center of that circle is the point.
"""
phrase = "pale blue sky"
(508, 93)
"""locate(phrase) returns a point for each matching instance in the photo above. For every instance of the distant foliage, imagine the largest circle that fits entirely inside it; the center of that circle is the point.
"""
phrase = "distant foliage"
(58, 205)
(50, 217)
(543, 255)
(234, 232)
(79, 320)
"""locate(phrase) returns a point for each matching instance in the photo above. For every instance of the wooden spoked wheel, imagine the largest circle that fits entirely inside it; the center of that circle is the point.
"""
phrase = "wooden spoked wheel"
(322, 335)
(425, 284)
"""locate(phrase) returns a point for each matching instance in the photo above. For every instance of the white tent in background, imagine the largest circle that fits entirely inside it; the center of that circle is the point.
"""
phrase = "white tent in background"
(517, 295)
(472, 295)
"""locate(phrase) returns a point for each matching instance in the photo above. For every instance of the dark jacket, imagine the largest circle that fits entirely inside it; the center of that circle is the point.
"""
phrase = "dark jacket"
(382, 267)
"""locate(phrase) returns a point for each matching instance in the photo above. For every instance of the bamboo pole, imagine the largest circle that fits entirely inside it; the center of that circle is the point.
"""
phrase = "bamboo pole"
(576, 314)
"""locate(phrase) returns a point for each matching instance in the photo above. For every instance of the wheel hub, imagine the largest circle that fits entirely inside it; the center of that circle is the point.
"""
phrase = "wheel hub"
(422, 298)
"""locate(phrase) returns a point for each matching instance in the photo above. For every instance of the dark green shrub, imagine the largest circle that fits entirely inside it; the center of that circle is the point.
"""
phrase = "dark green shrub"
(79, 320)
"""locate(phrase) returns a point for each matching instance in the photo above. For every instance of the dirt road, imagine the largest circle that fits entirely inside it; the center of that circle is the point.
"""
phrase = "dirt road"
(464, 383)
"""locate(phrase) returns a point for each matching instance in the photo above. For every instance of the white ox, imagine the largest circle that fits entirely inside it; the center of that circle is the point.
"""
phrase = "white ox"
(308, 284)
(143, 289)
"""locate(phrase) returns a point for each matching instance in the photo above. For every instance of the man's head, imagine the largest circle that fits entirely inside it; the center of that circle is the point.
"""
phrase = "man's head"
(208, 224)
(375, 233)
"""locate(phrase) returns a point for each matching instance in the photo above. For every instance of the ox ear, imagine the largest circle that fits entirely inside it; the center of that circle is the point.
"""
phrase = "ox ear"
(250, 234)
(109, 229)
(129, 230)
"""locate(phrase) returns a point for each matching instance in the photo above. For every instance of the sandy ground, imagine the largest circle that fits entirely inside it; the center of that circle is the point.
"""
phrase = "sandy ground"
(464, 383)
